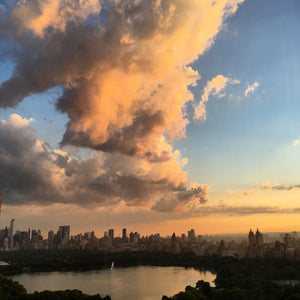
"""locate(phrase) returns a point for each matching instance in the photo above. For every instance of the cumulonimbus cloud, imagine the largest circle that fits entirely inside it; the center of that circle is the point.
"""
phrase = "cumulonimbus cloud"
(30, 172)
(122, 65)
(123, 68)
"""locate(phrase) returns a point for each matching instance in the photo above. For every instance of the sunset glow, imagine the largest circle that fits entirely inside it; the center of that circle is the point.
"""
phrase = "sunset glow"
(157, 116)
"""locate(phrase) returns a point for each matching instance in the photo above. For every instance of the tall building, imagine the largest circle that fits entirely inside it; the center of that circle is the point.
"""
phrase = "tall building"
(131, 237)
(124, 235)
(65, 232)
(50, 239)
(259, 238)
(111, 234)
(256, 244)
(191, 235)
(3, 236)
(251, 238)
(11, 228)
(63, 235)
(11, 234)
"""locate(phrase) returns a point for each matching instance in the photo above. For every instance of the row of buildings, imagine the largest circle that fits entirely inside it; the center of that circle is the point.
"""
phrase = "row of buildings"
(288, 247)
(33, 239)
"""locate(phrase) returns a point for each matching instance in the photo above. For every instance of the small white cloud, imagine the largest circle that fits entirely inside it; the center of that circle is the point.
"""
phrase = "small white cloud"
(297, 142)
(215, 87)
(17, 121)
(251, 88)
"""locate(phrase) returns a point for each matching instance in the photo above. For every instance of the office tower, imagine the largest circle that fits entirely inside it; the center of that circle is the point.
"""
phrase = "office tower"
(50, 239)
(11, 234)
(65, 232)
(11, 228)
(111, 234)
(131, 237)
(136, 237)
(63, 236)
(251, 238)
(259, 238)
(124, 235)
(191, 235)
(3, 236)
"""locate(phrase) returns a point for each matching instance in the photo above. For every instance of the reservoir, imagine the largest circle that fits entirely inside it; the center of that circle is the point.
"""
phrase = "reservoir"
(135, 283)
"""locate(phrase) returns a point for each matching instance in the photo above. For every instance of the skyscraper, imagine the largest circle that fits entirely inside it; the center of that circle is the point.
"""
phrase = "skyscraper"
(251, 238)
(11, 234)
(111, 234)
(191, 235)
(65, 232)
(50, 239)
(11, 228)
(259, 238)
(124, 235)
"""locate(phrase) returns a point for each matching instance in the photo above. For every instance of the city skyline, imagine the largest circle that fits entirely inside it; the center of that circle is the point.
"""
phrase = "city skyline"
(121, 232)
(258, 244)
(158, 116)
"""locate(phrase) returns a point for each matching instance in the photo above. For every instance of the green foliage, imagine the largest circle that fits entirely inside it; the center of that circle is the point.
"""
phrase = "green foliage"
(10, 288)
(273, 292)
(204, 287)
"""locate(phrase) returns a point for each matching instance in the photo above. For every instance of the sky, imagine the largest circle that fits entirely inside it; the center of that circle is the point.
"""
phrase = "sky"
(157, 116)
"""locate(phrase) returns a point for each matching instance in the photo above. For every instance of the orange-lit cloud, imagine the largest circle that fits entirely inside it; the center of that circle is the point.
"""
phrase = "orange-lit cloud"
(32, 173)
(251, 88)
(215, 87)
(122, 65)
(40, 16)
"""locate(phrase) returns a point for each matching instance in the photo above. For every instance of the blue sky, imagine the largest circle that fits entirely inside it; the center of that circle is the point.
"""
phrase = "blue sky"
(249, 140)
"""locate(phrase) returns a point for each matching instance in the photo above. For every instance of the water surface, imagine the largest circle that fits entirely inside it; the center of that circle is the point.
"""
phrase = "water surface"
(134, 283)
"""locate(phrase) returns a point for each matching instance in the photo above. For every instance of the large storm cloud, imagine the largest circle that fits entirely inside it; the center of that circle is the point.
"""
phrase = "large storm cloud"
(122, 65)
(123, 68)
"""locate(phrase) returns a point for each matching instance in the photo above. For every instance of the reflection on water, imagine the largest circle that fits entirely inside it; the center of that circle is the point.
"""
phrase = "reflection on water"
(140, 283)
